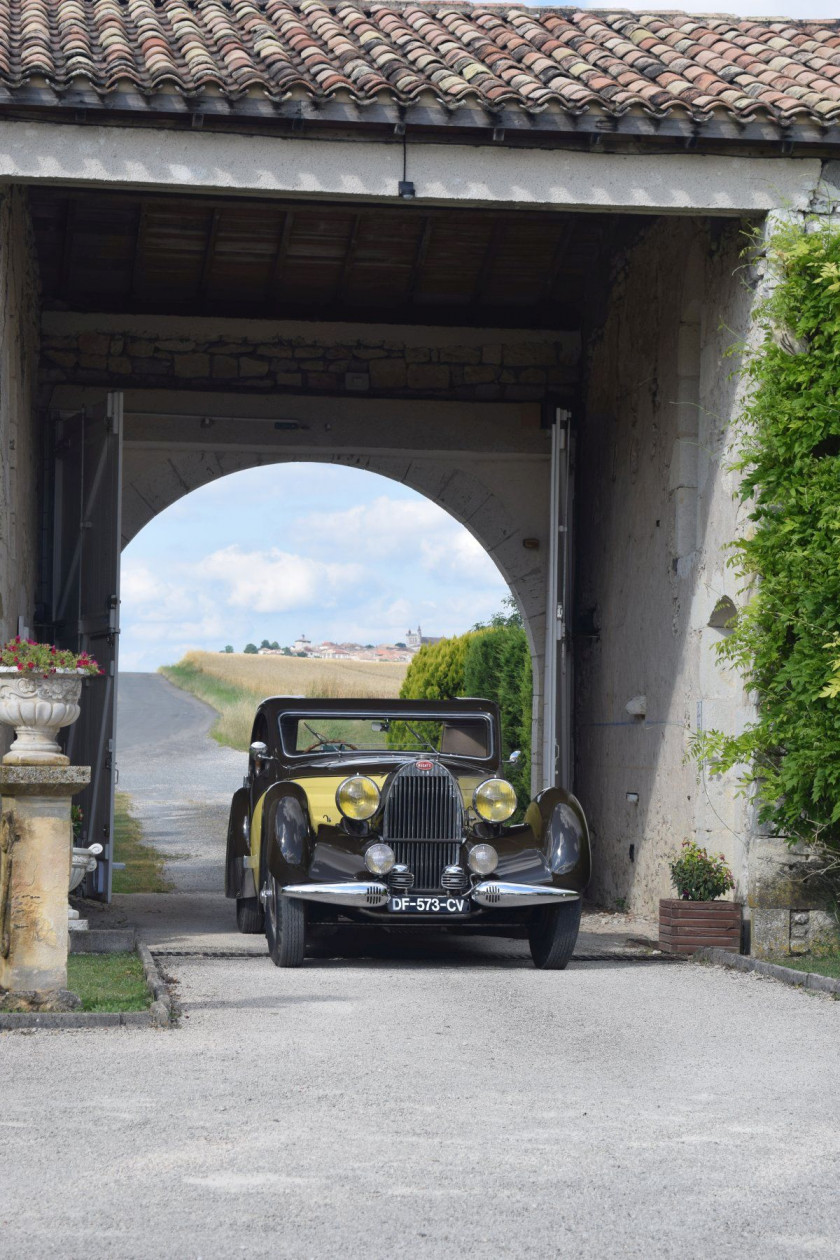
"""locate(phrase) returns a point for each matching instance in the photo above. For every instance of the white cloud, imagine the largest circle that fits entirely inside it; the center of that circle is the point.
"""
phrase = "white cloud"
(417, 531)
(277, 581)
(348, 564)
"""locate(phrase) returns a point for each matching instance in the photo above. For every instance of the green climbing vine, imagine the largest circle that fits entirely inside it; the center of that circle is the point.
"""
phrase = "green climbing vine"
(786, 642)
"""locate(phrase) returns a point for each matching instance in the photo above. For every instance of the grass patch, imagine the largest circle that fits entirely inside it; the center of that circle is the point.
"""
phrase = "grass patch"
(143, 863)
(829, 965)
(108, 982)
(233, 684)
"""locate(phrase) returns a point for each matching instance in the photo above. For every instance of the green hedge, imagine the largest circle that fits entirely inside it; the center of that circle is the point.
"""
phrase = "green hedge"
(785, 643)
(491, 662)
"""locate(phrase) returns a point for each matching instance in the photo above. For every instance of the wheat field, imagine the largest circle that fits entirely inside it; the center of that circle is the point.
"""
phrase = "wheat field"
(233, 683)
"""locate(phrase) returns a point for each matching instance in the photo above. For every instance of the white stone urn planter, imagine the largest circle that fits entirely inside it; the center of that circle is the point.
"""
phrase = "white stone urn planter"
(38, 707)
(82, 862)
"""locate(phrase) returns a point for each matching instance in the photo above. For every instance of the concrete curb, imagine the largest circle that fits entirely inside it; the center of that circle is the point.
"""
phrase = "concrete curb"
(158, 1015)
(103, 941)
(798, 979)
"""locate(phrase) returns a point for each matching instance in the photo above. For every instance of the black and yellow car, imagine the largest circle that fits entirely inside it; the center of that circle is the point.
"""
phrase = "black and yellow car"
(396, 814)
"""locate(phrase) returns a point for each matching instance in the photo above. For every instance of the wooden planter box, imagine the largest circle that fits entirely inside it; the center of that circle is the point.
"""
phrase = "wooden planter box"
(685, 926)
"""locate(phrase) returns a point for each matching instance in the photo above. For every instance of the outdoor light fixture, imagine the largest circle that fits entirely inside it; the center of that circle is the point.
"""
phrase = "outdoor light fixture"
(405, 188)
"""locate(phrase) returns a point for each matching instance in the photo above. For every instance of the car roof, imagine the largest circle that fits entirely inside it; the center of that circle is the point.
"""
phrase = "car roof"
(273, 706)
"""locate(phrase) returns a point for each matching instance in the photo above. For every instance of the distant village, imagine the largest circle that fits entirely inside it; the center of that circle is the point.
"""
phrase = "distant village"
(398, 653)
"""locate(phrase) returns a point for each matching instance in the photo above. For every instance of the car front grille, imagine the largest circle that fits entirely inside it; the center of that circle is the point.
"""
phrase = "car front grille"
(427, 859)
(424, 822)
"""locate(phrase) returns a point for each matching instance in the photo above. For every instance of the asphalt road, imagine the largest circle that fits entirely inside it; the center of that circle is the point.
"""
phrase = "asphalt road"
(443, 1104)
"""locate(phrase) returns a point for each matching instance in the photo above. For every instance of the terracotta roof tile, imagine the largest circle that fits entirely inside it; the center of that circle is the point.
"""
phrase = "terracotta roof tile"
(495, 54)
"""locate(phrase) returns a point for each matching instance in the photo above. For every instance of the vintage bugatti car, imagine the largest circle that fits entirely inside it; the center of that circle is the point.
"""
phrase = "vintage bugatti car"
(395, 814)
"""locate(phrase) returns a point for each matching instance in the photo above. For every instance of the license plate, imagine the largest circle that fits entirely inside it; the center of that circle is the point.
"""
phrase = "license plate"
(419, 904)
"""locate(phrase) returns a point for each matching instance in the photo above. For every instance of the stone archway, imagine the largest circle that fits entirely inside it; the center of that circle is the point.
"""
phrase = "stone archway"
(486, 465)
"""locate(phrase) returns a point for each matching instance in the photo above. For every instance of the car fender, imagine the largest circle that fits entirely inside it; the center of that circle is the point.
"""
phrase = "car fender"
(560, 830)
(286, 833)
(238, 848)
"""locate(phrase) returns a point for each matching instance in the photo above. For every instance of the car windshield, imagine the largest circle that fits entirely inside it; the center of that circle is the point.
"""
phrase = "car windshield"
(459, 735)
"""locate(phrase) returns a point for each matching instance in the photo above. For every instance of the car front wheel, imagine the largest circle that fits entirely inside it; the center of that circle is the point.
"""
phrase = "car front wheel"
(553, 935)
(285, 926)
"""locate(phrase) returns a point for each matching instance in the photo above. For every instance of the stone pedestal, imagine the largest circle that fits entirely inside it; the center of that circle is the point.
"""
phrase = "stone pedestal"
(35, 854)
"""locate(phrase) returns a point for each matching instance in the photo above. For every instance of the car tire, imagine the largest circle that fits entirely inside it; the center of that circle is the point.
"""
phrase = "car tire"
(553, 934)
(250, 918)
(285, 927)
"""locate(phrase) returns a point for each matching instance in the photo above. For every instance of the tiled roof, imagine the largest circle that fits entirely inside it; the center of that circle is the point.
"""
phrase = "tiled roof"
(493, 56)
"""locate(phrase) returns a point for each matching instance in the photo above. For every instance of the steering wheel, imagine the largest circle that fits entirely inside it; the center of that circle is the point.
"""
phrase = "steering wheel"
(335, 745)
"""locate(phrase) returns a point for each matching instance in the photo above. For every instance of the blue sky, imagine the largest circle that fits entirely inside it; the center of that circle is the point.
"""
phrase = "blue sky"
(271, 553)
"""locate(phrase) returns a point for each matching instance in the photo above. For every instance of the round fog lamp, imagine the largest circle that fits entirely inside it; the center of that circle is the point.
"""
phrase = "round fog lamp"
(379, 859)
(357, 798)
(483, 859)
(495, 800)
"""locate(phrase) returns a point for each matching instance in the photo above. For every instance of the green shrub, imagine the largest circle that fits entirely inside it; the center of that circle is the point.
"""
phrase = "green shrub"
(697, 876)
(490, 662)
(785, 642)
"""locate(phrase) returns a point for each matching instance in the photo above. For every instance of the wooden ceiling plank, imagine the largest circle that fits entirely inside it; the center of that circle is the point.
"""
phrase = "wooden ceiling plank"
(419, 258)
(341, 283)
(209, 252)
(488, 262)
(64, 280)
(554, 272)
(273, 282)
(137, 266)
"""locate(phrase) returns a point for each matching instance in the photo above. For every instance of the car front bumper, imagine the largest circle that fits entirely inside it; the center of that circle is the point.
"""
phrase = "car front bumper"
(490, 894)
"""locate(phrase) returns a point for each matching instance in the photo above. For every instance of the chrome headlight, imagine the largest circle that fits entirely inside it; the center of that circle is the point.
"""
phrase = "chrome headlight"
(380, 858)
(357, 797)
(482, 859)
(495, 800)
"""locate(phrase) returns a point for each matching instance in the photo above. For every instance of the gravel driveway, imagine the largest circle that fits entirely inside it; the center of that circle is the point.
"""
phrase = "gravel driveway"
(453, 1103)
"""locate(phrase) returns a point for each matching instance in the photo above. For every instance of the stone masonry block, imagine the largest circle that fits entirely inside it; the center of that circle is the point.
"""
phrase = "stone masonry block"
(94, 343)
(176, 345)
(65, 358)
(292, 380)
(479, 375)
(688, 350)
(252, 367)
(140, 348)
(192, 365)
(770, 933)
(370, 352)
(428, 376)
(687, 404)
(461, 354)
(388, 373)
(416, 354)
(119, 363)
(530, 354)
(225, 365)
(321, 380)
(491, 354)
(683, 469)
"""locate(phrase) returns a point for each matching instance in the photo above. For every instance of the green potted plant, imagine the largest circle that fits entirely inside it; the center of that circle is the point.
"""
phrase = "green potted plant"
(40, 686)
(696, 917)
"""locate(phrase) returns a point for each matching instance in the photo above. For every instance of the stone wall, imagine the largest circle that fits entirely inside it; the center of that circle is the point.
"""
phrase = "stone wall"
(656, 510)
(269, 357)
(19, 446)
